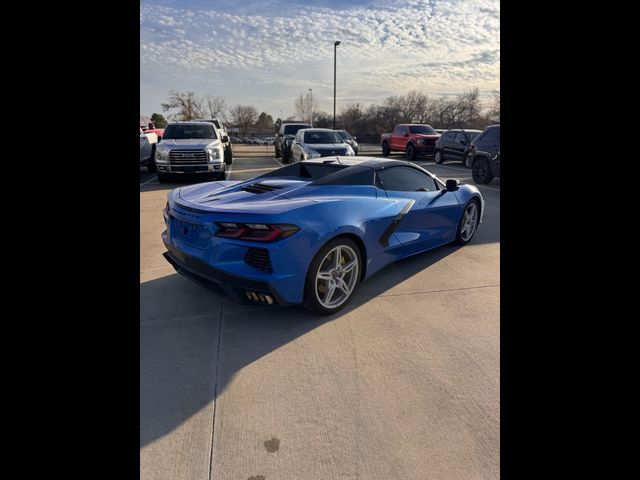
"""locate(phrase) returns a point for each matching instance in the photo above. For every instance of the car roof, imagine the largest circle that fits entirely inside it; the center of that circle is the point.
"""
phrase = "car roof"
(319, 129)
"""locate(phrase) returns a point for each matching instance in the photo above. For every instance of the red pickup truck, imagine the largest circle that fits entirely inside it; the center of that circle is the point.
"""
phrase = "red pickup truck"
(412, 138)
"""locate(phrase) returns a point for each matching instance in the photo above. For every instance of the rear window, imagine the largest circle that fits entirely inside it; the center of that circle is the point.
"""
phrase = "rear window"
(181, 132)
(355, 175)
(293, 129)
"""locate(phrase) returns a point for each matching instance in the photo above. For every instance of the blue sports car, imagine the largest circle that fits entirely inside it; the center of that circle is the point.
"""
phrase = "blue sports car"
(310, 232)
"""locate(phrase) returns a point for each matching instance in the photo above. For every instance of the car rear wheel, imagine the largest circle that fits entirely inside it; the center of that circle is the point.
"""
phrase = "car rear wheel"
(385, 149)
(333, 276)
(481, 171)
(411, 152)
(468, 223)
(228, 156)
(277, 152)
(438, 157)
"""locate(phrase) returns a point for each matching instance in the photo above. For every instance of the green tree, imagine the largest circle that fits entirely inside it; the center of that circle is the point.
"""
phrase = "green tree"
(264, 122)
(158, 120)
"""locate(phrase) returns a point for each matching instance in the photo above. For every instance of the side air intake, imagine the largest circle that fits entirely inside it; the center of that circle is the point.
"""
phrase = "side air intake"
(260, 188)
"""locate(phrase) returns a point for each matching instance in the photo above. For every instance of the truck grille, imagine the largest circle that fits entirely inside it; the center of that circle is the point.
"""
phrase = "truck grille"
(190, 157)
(258, 258)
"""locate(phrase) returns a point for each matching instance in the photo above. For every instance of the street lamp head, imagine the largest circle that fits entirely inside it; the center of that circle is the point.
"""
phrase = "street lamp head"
(336, 43)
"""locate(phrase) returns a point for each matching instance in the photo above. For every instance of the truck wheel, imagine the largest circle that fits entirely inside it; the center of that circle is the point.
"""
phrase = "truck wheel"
(411, 152)
(228, 156)
(151, 166)
(277, 152)
(385, 149)
(481, 171)
(438, 158)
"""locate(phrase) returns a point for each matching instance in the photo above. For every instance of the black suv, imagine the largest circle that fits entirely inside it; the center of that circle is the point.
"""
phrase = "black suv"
(484, 157)
(454, 145)
(285, 137)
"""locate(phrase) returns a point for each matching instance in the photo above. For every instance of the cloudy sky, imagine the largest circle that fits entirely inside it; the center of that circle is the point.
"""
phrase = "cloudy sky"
(267, 52)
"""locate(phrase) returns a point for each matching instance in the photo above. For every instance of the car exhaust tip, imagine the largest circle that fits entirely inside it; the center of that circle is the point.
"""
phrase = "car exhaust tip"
(269, 299)
(254, 296)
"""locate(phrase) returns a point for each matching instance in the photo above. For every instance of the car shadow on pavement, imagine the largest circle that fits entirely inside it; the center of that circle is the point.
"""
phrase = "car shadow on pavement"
(183, 364)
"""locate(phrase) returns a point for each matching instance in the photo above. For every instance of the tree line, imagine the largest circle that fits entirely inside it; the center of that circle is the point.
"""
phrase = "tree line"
(460, 111)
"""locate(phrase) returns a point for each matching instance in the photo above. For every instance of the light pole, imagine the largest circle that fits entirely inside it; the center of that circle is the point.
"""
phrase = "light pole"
(311, 119)
(335, 46)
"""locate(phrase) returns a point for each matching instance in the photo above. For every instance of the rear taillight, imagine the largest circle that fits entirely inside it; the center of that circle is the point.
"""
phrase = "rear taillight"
(255, 232)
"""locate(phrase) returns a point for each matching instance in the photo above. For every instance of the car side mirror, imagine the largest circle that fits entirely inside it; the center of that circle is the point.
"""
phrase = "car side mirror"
(452, 184)
(355, 138)
(406, 134)
(463, 142)
(225, 138)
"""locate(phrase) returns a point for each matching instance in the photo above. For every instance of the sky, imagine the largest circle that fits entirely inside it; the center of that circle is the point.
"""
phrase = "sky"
(266, 53)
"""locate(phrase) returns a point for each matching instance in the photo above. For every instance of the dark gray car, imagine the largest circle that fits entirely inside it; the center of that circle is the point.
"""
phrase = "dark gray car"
(454, 145)
(284, 139)
(484, 157)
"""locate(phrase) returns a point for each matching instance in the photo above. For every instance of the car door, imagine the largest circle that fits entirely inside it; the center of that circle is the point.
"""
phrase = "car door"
(459, 146)
(296, 147)
(145, 147)
(445, 144)
(430, 214)
(399, 138)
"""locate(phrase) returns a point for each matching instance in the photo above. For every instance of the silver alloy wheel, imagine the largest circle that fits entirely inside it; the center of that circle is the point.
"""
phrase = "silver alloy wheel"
(470, 221)
(337, 276)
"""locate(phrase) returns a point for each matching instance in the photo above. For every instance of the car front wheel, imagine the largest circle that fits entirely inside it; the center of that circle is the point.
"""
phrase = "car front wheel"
(481, 171)
(411, 152)
(333, 276)
(438, 157)
(468, 223)
(385, 149)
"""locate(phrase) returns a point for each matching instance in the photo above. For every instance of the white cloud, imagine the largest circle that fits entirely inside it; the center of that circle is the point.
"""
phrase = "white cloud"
(267, 55)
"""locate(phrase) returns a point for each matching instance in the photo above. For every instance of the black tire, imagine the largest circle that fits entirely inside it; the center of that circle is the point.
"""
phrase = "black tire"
(151, 166)
(286, 156)
(228, 156)
(278, 154)
(411, 152)
(438, 158)
(481, 171)
(465, 159)
(459, 240)
(386, 151)
(163, 177)
(311, 301)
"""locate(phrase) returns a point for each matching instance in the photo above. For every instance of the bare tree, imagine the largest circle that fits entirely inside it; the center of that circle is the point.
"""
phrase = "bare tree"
(189, 106)
(303, 106)
(214, 106)
(243, 117)
(493, 115)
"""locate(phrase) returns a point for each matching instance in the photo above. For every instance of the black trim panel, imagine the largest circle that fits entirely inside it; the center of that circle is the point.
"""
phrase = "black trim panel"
(384, 239)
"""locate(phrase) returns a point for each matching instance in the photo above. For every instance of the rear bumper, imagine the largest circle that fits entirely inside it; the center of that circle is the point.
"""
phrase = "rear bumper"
(233, 285)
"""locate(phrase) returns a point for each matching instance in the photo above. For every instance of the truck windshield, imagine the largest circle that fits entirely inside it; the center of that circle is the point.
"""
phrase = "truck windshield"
(180, 132)
(424, 129)
(322, 137)
(293, 129)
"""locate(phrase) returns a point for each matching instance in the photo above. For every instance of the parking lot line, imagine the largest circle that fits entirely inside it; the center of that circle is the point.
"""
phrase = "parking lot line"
(278, 162)
(150, 180)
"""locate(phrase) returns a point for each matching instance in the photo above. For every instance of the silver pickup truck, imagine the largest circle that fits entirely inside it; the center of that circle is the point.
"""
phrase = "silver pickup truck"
(190, 148)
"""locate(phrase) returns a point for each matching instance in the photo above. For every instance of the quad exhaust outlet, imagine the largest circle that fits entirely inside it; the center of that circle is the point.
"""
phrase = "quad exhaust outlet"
(259, 297)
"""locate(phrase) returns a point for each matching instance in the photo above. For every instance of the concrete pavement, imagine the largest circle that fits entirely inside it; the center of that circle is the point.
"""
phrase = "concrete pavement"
(403, 383)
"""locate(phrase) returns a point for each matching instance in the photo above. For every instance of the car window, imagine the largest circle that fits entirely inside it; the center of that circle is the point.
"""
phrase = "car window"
(472, 135)
(405, 179)
(400, 130)
(491, 137)
(344, 134)
(460, 137)
(448, 137)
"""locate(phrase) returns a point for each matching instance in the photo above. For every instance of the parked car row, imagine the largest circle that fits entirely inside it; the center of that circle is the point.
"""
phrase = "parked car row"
(476, 149)
(300, 141)
(254, 141)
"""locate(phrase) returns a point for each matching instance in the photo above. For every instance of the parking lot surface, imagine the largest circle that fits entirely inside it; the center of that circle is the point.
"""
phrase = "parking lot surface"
(403, 383)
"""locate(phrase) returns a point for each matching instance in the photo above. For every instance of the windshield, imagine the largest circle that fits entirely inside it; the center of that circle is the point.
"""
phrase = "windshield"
(473, 135)
(425, 129)
(293, 129)
(322, 137)
(344, 134)
(181, 132)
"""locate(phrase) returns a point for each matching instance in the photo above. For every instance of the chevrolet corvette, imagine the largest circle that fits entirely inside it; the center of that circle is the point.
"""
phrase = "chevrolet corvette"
(309, 233)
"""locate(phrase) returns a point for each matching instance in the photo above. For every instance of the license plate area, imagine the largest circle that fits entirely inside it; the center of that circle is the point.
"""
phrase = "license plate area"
(190, 233)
